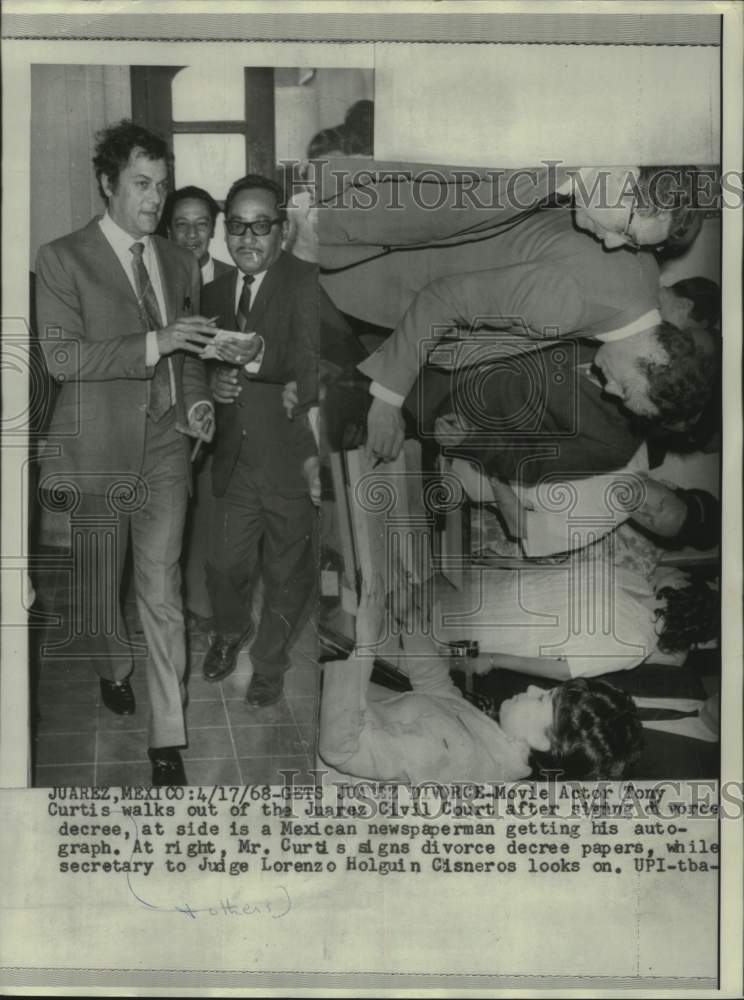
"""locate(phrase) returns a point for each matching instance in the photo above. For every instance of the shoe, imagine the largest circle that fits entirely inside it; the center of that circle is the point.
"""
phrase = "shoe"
(264, 691)
(118, 696)
(222, 655)
(167, 767)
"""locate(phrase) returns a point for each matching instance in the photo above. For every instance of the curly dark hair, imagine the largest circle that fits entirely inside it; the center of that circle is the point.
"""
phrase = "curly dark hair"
(191, 191)
(596, 734)
(252, 182)
(326, 141)
(705, 296)
(114, 146)
(692, 614)
(671, 190)
(681, 388)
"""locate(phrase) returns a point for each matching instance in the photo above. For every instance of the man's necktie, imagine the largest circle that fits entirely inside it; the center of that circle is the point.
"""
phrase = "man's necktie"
(159, 401)
(244, 304)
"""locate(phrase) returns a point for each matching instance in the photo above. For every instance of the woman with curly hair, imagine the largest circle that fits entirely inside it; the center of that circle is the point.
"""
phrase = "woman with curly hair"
(580, 730)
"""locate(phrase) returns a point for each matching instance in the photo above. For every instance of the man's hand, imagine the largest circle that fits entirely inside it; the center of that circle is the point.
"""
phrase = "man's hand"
(385, 431)
(311, 472)
(224, 384)
(201, 422)
(451, 429)
(239, 352)
(289, 398)
(188, 333)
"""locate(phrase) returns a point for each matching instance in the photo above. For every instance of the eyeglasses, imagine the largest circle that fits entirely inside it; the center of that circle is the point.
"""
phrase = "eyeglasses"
(261, 227)
(629, 240)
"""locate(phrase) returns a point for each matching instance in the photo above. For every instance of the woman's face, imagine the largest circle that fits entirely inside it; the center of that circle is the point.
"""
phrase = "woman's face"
(529, 716)
(663, 512)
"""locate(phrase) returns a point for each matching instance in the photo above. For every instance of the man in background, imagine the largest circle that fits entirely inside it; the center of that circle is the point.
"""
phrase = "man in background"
(189, 218)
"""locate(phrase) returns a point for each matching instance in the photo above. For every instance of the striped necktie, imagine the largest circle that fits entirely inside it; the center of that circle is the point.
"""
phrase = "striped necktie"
(159, 401)
(244, 303)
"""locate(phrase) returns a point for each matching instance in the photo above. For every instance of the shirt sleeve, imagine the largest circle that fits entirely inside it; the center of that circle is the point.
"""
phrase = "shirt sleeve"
(531, 301)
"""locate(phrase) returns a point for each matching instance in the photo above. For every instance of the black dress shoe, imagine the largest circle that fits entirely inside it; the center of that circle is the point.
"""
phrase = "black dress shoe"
(222, 655)
(264, 691)
(167, 767)
(118, 696)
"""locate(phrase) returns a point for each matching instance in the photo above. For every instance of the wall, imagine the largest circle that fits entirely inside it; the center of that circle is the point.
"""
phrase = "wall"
(68, 105)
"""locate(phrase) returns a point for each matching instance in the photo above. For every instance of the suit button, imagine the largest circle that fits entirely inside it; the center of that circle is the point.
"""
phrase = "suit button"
(244, 433)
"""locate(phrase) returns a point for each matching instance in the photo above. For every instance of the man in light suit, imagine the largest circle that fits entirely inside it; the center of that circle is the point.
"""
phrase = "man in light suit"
(118, 314)
(264, 521)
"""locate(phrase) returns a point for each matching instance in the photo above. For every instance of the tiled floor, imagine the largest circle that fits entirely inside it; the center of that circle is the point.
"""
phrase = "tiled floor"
(80, 742)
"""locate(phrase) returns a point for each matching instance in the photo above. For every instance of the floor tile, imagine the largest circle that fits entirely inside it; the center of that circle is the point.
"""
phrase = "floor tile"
(60, 775)
(265, 770)
(58, 697)
(301, 682)
(110, 722)
(114, 747)
(71, 748)
(267, 741)
(206, 713)
(109, 775)
(68, 718)
(242, 714)
(212, 772)
(208, 743)
(65, 672)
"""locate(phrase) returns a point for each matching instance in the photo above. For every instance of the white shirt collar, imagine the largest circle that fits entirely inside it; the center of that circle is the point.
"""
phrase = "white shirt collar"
(119, 238)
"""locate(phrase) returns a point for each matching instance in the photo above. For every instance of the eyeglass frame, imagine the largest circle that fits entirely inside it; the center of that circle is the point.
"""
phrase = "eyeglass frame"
(250, 225)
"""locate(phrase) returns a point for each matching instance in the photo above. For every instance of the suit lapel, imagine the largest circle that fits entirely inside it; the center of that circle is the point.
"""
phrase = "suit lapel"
(169, 274)
(102, 253)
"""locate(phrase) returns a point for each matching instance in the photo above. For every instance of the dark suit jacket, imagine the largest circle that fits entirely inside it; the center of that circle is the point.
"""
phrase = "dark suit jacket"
(220, 268)
(93, 338)
(284, 312)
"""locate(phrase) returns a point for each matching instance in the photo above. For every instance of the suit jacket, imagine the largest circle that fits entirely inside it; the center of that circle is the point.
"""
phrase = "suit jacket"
(93, 337)
(220, 268)
(540, 281)
(284, 312)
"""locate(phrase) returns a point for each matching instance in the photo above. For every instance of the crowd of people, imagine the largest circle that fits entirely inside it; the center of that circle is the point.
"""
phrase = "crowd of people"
(528, 349)
(126, 318)
(539, 352)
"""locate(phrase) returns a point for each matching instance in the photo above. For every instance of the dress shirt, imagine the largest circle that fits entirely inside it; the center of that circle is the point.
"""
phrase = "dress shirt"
(253, 367)
(121, 242)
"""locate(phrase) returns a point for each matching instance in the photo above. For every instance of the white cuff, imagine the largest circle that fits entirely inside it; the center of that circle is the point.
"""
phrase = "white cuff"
(386, 395)
(312, 418)
(194, 406)
(152, 354)
(254, 367)
(650, 319)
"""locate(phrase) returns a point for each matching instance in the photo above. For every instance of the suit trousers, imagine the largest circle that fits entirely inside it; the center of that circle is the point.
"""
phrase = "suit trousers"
(196, 542)
(152, 521)
(259, 532)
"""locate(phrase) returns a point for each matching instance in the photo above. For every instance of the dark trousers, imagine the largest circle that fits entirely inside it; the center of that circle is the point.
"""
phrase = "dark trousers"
(257, 531)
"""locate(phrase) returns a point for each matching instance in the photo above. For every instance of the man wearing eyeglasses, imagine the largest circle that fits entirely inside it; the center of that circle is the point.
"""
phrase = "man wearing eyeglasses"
(551, 282)
(263, 520)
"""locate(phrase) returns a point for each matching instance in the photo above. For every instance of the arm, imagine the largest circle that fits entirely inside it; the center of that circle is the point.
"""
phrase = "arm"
(532, 300)
(537, 666)
(68, 351)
